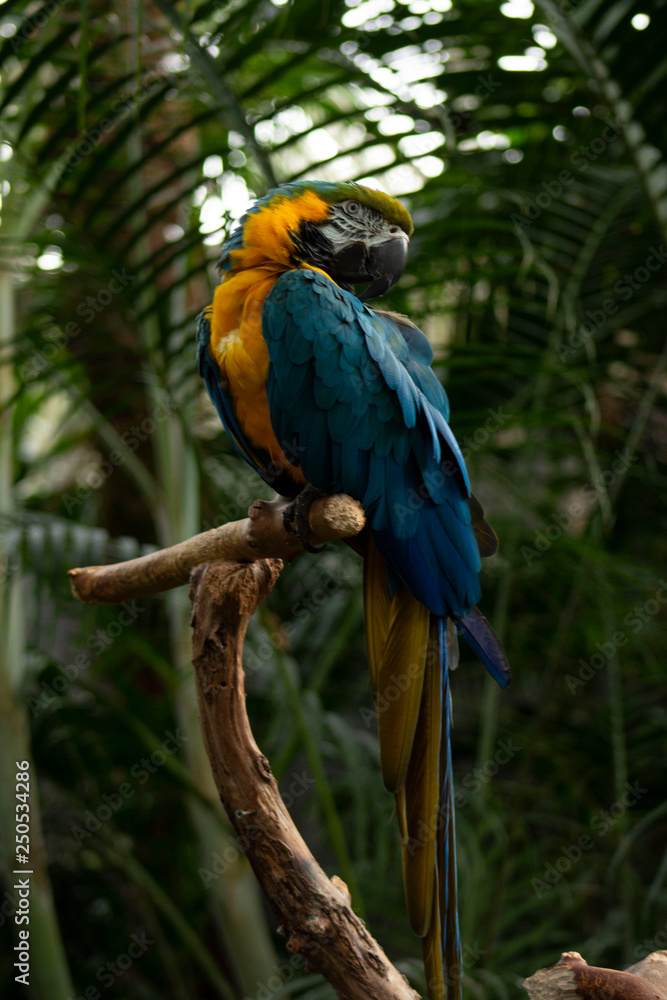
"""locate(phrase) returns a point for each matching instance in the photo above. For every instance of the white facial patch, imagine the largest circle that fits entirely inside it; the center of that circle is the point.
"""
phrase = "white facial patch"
(350, 220)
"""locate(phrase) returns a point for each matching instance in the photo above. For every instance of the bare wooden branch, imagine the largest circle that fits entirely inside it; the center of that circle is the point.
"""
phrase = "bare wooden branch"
(314, 912)
(572, 978)
(261, 535)
(653, 968)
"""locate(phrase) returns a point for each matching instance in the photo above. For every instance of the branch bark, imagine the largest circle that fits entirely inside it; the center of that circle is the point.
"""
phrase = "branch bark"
(572, 978)
(260, 535)
(314, 911)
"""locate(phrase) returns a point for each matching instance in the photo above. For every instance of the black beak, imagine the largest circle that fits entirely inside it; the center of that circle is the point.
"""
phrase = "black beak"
(382, 265)
(386, 263)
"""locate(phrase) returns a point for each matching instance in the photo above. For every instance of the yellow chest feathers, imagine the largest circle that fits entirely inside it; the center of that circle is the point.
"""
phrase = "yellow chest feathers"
(237, 344)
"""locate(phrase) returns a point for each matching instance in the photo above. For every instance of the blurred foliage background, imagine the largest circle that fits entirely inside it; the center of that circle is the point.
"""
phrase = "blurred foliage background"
(528, 144)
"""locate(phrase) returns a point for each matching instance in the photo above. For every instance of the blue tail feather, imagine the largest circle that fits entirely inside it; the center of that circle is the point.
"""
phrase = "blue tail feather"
(483, 640)
(447, 874)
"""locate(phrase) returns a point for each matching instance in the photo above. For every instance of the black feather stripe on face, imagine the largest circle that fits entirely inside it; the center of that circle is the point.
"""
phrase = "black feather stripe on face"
(311, 246)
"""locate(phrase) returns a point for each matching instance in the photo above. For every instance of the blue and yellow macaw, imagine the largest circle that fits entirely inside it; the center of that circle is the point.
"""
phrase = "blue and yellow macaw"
(316, 389)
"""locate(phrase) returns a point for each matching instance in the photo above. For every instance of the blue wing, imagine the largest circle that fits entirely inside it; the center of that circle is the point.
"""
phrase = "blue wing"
(355, 390)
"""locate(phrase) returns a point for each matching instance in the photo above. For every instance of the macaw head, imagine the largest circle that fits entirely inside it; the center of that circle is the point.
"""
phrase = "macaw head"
(352, 233)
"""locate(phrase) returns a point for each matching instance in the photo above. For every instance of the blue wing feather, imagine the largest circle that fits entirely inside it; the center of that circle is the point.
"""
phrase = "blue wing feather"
(341, 373)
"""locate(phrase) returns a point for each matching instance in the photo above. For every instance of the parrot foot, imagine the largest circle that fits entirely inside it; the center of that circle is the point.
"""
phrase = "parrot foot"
(295, 517)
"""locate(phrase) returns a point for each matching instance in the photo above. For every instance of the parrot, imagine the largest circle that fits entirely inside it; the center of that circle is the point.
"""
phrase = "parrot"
(321, 394)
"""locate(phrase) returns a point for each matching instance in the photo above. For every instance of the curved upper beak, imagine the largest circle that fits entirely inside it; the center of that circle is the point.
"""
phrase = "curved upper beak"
(382, 264)
(386, 263)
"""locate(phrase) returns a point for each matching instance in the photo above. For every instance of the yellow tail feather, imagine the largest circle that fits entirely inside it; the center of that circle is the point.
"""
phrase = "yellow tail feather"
(422, 796)
(399, 685)
(405, 659)
(377, 607)
(432, 954)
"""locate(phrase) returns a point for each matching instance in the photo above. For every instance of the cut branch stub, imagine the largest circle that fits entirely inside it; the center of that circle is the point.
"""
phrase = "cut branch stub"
(572, 978)
(313, 911)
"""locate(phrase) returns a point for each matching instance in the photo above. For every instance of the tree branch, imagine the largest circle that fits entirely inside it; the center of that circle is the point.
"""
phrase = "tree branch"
(261, 535)
(314, 911)
(572, 978)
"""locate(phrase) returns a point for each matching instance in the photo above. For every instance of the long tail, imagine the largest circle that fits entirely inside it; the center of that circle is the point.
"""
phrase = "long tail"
(429, 837)
(409, 670)
(442, 947)
(411, 653)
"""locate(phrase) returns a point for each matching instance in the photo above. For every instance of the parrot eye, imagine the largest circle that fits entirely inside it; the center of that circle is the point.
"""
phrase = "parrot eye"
(352, 207)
